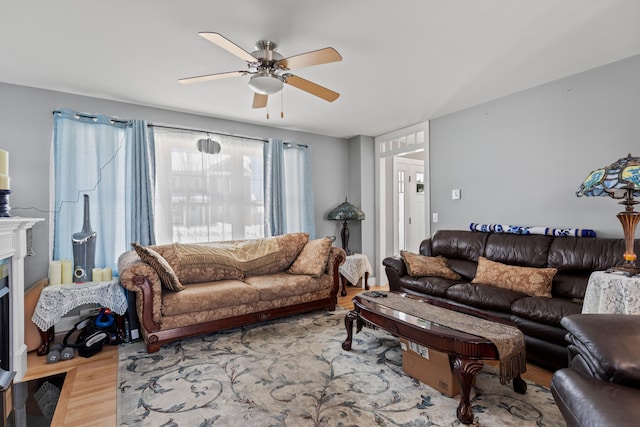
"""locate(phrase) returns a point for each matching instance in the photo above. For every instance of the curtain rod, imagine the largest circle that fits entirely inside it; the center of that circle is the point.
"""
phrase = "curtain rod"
(219, 133)
(113, 119)
(93, 116)
(205, 131)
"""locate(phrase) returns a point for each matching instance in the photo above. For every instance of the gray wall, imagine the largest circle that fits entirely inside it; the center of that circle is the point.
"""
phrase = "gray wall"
(26, 125)
(361, 194)
(520, 159)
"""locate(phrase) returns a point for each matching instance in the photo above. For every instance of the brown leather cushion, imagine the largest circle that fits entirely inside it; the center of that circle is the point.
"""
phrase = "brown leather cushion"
(484, 296)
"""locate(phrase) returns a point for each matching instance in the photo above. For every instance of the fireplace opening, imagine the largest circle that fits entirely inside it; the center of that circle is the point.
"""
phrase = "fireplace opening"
(5, 327)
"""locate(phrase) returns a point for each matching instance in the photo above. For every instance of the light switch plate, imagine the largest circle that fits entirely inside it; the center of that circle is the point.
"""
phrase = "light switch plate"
(455, 194)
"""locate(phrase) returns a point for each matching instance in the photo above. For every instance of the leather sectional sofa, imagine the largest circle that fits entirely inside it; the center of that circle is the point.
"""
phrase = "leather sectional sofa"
(538, 317)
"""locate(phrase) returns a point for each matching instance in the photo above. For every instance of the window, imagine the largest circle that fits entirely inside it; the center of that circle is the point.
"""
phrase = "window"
(202, 196)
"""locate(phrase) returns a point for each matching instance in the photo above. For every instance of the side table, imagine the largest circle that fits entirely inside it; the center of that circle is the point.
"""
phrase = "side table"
(612, 293)
(57, 300)
(354, 268)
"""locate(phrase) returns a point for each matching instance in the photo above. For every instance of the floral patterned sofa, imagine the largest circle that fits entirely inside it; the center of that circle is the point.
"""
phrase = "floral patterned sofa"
(185, 290)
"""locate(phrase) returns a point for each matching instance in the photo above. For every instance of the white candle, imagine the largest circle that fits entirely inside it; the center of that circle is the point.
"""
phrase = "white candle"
(96, 275)
(107, 274)
(67, 271)
(4, 162)
(5, 182)
(55, 273)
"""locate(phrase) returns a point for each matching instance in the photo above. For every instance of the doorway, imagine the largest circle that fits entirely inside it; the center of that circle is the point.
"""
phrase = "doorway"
(394, 151)
(409, 202)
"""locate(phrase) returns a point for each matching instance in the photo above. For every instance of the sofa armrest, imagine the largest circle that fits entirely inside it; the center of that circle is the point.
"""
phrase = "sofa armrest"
(608, 345)
(336, 257)
(139, 277)
(395, 269)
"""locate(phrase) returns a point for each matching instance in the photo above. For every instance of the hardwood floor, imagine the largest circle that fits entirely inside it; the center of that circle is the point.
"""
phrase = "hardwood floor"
(88, 396)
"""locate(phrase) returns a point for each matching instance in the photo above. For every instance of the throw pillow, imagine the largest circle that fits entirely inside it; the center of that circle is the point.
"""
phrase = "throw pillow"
(160, 265)
(313, 258)
(532, 281)
(420, 265)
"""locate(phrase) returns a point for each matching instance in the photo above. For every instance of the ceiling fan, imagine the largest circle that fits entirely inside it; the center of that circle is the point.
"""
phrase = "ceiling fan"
(269, 69)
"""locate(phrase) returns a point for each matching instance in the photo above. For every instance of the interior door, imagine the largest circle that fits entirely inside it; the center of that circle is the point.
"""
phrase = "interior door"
(409, 203)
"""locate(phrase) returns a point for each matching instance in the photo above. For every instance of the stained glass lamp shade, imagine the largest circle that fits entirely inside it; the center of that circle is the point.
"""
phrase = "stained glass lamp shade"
(346, 212)
(619, 180)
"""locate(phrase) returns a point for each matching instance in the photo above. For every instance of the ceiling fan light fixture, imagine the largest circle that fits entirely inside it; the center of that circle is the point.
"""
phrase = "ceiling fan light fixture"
(266, 84)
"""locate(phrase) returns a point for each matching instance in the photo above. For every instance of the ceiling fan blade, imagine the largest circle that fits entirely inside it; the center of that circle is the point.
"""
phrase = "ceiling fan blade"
(207, 77)
(310, 87)
(228, 45)
(259, 100)
(316, 57)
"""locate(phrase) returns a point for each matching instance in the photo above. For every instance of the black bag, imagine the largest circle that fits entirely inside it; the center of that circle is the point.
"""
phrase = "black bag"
(94, 332)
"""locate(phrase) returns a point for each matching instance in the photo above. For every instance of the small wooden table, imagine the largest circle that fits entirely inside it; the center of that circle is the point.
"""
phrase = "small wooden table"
(354, 268)
(466, 351)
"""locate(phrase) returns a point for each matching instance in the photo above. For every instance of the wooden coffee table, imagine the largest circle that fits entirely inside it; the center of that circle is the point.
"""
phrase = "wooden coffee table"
(466, 351)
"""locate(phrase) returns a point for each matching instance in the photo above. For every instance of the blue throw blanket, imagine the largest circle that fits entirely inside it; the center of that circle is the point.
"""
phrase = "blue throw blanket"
(517, 229)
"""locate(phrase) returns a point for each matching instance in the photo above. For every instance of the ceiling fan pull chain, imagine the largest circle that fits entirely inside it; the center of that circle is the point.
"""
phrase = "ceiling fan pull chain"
(282, 104)
(267, 111)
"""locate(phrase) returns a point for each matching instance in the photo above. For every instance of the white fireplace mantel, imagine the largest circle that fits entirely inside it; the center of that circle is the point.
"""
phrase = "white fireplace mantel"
(13, 246)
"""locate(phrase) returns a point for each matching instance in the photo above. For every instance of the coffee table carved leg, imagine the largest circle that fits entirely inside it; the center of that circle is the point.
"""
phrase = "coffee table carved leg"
(519, 385)
(466, 370)
(348, 323)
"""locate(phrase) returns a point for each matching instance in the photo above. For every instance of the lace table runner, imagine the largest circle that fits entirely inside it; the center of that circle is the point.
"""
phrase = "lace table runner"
(57, 300)
(508, 339)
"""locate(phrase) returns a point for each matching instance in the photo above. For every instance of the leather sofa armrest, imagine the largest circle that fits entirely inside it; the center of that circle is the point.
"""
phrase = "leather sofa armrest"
(608, 343)
(585, 401)
(395, 268)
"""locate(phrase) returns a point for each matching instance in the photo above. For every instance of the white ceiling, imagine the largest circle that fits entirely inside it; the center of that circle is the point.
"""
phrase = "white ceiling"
(404, 61)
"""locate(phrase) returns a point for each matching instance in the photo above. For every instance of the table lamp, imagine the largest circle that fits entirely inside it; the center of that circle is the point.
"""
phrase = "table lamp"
(346, 212)
(619, 180)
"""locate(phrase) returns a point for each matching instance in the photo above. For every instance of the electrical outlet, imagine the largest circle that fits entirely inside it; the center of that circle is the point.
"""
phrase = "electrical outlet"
(434, 217)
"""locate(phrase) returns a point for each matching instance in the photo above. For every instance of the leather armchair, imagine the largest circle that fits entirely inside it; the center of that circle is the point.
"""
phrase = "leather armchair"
(601, 386)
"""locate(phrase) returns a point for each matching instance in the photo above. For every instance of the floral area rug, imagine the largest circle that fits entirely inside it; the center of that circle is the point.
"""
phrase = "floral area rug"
(293, 372)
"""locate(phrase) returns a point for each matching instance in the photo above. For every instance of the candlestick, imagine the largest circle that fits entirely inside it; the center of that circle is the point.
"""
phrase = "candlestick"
(96, 275)
(4, 162)
(5, 182)
(67, 271)
(55, 273)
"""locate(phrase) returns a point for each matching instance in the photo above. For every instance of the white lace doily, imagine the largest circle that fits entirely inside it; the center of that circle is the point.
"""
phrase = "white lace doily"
(354, 267)
(57, 300)
(612, 293)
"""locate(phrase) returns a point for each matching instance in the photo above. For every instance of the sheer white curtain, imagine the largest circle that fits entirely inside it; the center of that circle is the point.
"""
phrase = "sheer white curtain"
(299, 190)
(89, 157)
(207, 197)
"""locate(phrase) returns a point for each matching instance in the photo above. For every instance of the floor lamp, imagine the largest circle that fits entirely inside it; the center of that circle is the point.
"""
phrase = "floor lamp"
(619, 180)
(346, 212)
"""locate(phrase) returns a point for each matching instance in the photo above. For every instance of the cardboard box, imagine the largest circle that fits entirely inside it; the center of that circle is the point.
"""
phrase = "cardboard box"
(429, 367)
